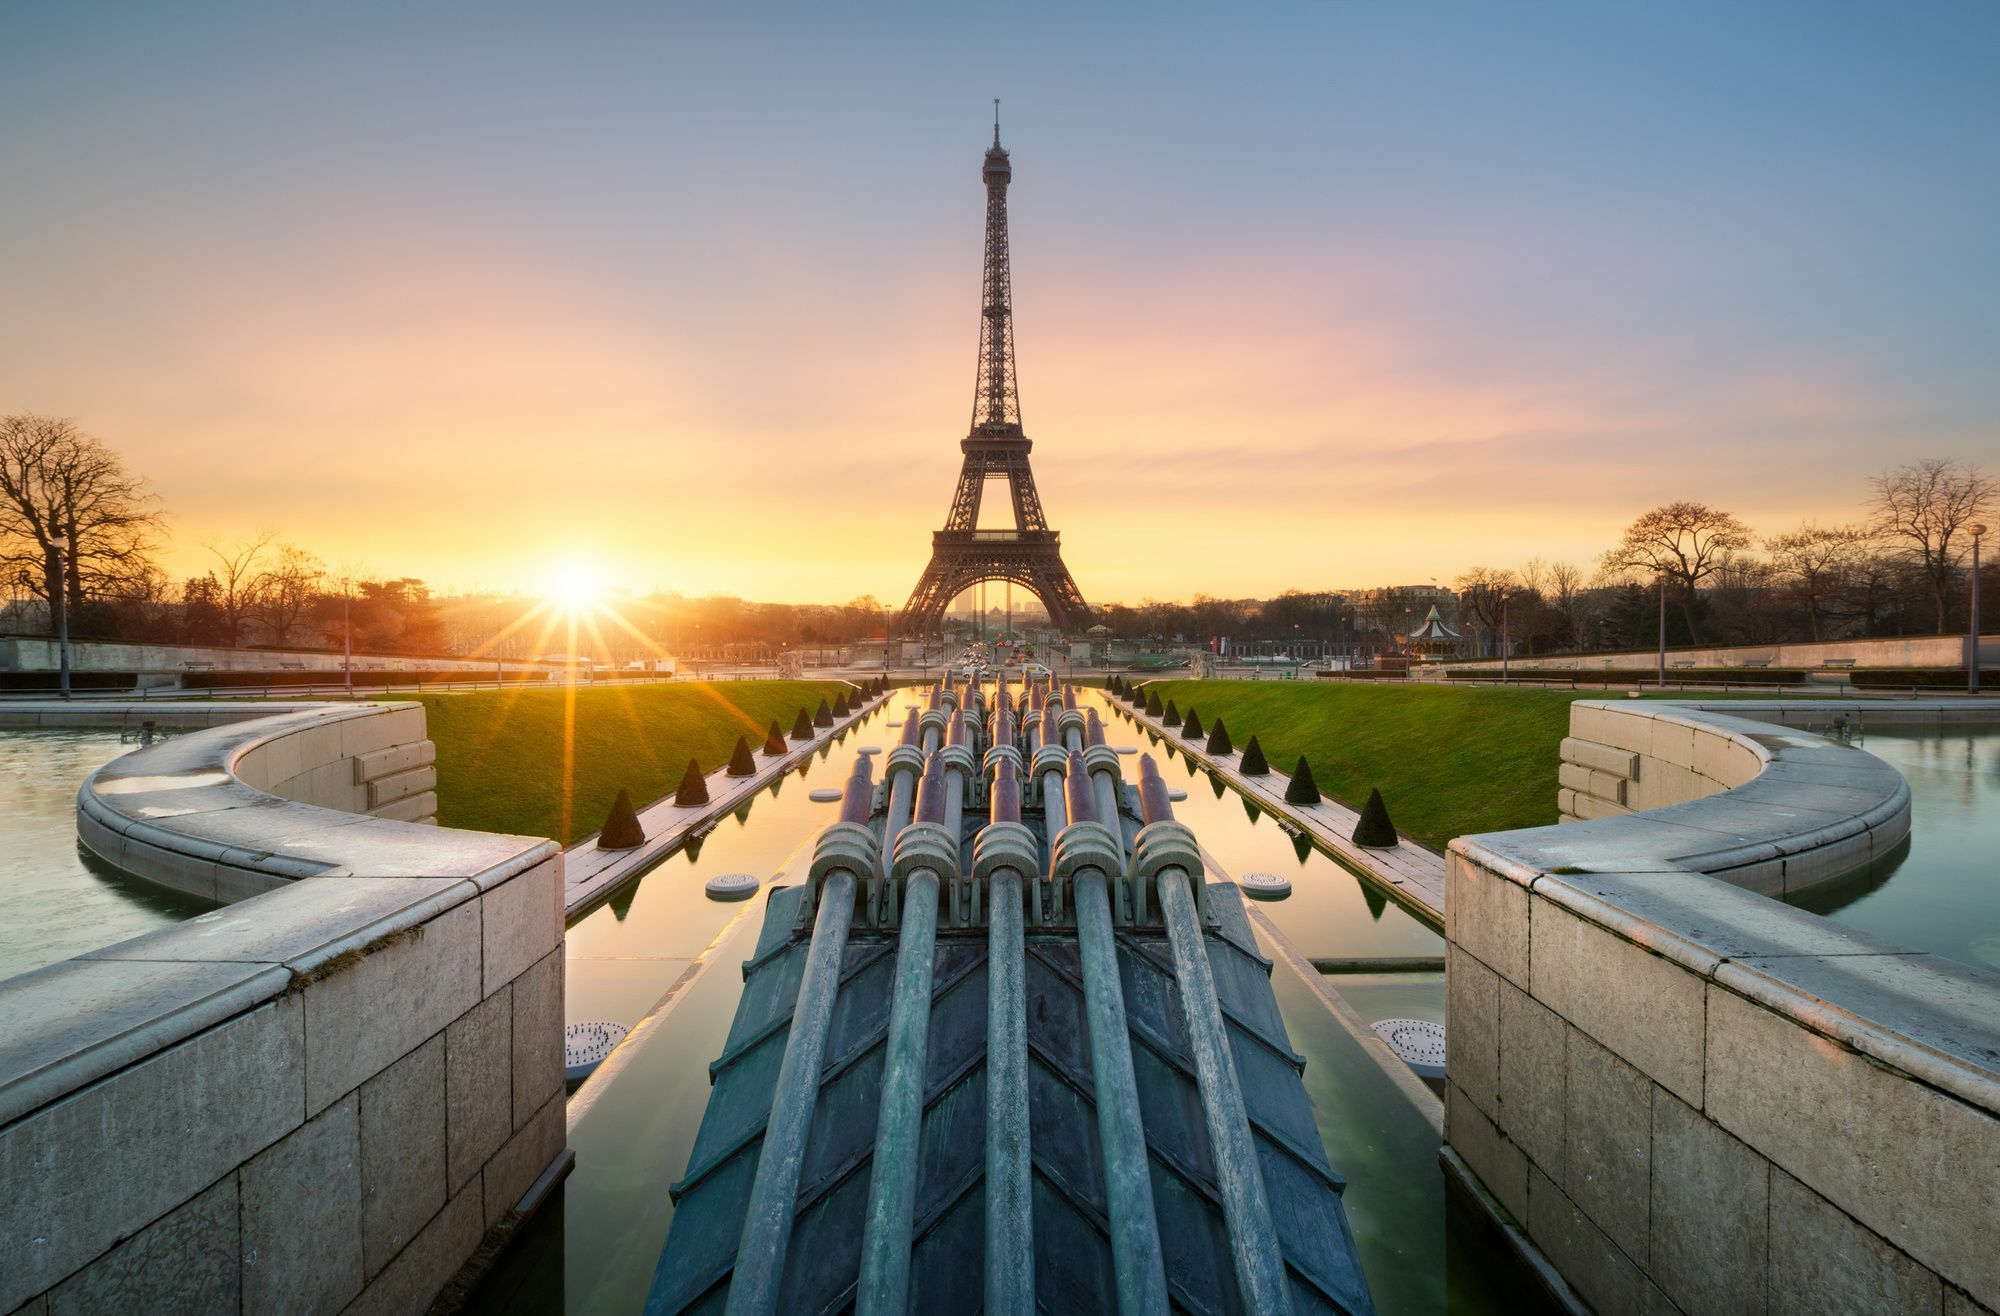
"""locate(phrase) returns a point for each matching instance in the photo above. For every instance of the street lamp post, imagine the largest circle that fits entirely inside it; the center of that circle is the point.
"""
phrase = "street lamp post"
(1505, 595)
(60, 546)
(1663, 630)
(346, 637)
(1972, 654)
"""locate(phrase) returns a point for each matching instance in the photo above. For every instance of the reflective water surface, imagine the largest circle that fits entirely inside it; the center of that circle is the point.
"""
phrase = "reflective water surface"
(56, 899)
(1942, 893)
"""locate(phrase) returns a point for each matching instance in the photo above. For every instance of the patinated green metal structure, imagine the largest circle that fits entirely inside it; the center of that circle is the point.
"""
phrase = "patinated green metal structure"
(981, 1064)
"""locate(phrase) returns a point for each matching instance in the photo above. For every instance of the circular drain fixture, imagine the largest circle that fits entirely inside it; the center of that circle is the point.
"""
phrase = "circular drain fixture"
(1419, 1043)
(1264, 886)
(869, 749)
(824, 795)
(1176, 795)
(586, 1045)
(1128, 749)
(731, 886)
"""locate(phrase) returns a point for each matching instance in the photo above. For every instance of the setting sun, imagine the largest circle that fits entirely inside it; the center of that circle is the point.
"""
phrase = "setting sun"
(574, 587)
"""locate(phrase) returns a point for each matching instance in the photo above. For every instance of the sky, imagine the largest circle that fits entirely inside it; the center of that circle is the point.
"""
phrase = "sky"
(1306, 295)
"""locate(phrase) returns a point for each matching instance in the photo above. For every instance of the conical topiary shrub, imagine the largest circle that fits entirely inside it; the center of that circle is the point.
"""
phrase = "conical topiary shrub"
(740, 762)
(823, 715)
(1373, 830)
(840, 705)
(1302, 789)
(802, 726)
(774, 740)
(1171, 715)
(1153, 708)
(1253, 764)
(694, 788)
(1137, 698)
(1218, 739)
(1192, 727)
(1116, 685)
(621, 827)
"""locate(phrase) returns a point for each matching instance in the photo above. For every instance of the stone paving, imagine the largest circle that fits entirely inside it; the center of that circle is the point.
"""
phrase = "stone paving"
(1410, 874)
(591, 874)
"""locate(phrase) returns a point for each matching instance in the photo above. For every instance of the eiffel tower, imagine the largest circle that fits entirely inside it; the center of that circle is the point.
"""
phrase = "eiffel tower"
(962, 555)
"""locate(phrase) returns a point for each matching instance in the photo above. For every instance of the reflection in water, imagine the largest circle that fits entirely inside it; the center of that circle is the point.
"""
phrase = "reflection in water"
(1940, 891)
(60, 900)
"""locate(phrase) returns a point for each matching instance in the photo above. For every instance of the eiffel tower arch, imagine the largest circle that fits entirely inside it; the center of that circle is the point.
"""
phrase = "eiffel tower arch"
(996, 448)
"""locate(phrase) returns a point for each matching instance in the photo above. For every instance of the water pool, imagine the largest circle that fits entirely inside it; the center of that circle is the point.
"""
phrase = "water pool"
(665, 960)
(1942, 892)
(60, 900)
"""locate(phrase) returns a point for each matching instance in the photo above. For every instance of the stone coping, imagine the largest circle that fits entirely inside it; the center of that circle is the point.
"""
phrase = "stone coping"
(1661, 880)
(366, 880)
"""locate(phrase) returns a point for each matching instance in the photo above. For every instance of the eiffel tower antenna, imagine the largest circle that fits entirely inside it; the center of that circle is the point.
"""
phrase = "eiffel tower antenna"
(963, 555)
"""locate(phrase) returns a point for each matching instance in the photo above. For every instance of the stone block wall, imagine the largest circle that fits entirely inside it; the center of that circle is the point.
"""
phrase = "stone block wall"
(313, 1100)
(381, 766)
(1618, 761)
(322, 1097)
(1696, 1099)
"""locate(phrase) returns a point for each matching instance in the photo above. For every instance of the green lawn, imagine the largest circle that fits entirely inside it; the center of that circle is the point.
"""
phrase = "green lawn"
(1448, 761)
(500, 752)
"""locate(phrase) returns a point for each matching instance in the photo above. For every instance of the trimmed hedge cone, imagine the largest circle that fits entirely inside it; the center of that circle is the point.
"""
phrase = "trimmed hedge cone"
(1374, 831)
(1253, 764)
(1218, 739)
(740, 762)
(621, 827)
(694, 787)
(1302, 789)
(1171, 714)
(1153, 708)
(1192, 727)
(774, 740)
(823, 716)
(802, 726)
(840, 705)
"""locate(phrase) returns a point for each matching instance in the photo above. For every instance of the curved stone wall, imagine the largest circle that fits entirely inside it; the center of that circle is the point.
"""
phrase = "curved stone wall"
(327, 1091)
(1687, 1092)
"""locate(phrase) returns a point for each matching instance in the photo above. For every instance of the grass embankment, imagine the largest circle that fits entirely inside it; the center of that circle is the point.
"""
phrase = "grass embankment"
(1447, 760)
(500, 758)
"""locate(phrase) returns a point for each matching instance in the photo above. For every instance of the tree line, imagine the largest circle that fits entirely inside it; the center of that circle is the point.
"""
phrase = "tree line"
(1900, 567)
(76, 523)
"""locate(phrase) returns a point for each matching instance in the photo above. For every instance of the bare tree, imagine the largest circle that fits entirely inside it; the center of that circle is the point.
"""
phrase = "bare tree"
(1683, 542)
(56, 482)
(288, 591)
(239, 581)
(1572, 604)
(1481, 592)
(1926, 504)
(1816, 561)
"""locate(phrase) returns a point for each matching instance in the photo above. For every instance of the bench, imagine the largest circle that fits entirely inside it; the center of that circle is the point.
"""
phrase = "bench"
(198, 666)
(1756, 662)
(292, 666)
(1843, 664)
(1681, 664)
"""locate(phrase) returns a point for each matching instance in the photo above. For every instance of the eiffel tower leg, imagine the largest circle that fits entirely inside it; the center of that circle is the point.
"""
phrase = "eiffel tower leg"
(935, 590)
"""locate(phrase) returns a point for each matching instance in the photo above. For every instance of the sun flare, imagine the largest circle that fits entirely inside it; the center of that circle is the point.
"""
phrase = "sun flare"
(574, 587)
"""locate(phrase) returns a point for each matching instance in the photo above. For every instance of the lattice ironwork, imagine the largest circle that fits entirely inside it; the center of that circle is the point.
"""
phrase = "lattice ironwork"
(962, 555)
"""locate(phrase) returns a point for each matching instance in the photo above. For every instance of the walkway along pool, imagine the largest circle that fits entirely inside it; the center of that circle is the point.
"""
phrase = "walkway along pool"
(661, 957)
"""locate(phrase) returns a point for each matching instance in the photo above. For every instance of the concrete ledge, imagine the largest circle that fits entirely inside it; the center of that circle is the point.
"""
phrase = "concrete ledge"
(267, 1094)
(1727, 1055)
